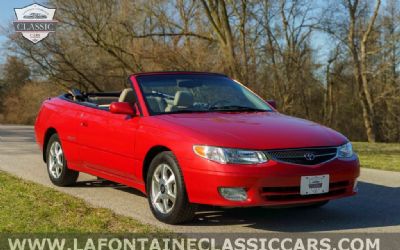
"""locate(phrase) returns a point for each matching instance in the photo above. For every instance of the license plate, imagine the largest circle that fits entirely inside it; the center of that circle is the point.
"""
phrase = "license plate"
(317, 184)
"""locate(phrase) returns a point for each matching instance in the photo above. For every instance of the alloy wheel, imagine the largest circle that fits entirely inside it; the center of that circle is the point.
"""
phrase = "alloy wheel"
(56, 160)
(163, 188)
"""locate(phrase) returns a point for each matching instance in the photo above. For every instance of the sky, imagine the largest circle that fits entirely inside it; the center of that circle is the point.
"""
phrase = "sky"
(7, 16)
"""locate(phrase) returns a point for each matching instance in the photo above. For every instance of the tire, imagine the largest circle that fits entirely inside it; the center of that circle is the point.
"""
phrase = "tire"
(59, 173)
(168, 199)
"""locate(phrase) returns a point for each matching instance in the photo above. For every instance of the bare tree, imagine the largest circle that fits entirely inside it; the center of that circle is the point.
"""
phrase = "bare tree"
(359, 51)
(217, 14)
(268, 45)
(329, 93)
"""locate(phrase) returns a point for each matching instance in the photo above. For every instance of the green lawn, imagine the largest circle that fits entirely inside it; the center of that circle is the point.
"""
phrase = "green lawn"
(384, 156)
(30, 207)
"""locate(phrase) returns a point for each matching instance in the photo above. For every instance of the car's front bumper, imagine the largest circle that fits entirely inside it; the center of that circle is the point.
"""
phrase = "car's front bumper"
(270, 184)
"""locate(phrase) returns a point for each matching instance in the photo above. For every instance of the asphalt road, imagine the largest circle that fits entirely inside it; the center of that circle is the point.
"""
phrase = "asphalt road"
(375, 209)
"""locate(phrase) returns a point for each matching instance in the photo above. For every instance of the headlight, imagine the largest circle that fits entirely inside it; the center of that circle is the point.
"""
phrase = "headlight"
(230, 155)
(345, 151)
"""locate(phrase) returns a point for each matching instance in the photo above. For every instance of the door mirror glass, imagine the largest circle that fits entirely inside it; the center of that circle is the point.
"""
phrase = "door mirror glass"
(122, 108)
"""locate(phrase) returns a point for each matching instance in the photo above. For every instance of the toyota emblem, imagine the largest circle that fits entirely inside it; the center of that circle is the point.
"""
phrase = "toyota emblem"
(309, 156)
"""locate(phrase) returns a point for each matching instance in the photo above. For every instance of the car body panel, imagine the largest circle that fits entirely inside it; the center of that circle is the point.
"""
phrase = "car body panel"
(114, 147)
(107, 141)
(260, 130)
(255, 178)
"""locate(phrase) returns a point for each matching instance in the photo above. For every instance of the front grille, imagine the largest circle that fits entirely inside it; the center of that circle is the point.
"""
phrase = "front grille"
(303, 156)
(293, 193)
(293, 197)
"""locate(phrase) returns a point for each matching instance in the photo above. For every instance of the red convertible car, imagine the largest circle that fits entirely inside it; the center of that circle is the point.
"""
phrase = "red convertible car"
(188, 138)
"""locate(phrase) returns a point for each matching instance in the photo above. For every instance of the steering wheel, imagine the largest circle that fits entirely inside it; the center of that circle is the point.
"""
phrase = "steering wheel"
(216, 103)
(77, 95)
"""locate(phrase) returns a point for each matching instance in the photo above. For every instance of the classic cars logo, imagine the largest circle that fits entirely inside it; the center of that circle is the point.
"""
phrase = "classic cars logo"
(35, 22)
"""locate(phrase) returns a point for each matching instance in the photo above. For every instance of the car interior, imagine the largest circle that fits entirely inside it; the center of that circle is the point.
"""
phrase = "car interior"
(177, 95)
(158, 102)
(181, 100)
(166, 97)
(101, 100)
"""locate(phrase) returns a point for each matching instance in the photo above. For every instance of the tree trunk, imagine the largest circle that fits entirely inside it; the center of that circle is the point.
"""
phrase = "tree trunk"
(360, 66)
(328, 110)
(217, 14)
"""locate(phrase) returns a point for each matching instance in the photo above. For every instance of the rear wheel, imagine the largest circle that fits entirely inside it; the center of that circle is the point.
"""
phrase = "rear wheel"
(57, 168)
(166, 190)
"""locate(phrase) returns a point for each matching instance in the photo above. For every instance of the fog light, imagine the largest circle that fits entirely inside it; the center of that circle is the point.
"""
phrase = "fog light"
(233, 194)
(355, 187)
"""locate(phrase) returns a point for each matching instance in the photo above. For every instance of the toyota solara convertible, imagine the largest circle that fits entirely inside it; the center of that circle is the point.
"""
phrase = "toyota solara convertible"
(189, 138)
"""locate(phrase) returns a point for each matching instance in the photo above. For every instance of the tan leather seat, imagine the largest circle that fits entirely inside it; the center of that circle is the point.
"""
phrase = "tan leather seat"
(157, 104)
(127, 95)
(182, 100)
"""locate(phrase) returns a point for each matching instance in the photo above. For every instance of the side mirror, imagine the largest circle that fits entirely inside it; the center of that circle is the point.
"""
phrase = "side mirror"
(122, 108)
(272, 103)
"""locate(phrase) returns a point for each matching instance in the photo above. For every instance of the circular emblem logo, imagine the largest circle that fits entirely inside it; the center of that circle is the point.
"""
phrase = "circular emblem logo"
(309, 156)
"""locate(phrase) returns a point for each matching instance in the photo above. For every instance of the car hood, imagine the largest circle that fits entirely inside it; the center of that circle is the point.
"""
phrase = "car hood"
(257, 130)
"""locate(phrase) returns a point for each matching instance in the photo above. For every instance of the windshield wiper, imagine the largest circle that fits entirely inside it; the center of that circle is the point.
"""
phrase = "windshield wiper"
(184, 111)
(223, 108)
(237, 108)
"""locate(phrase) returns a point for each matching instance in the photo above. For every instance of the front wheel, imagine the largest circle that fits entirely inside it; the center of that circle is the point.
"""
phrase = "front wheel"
(57, 169)
(166, 190)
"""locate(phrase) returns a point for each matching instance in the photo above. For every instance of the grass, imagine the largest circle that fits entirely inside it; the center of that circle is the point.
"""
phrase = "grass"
(29, 207)
(385, 156)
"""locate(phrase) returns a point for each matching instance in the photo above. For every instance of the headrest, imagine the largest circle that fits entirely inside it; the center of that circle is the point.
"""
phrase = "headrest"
(127, 95)
(183, 98)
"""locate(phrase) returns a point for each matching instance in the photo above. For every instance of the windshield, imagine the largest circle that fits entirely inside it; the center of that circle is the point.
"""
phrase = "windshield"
(180, 93)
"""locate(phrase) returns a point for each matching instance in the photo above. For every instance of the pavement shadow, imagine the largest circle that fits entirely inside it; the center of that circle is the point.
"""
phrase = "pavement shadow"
(131, 191)
(374, 206)
(97, 183)
(102, 183)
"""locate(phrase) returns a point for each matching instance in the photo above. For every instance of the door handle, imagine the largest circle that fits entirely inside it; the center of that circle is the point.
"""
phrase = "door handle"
(84, 124)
